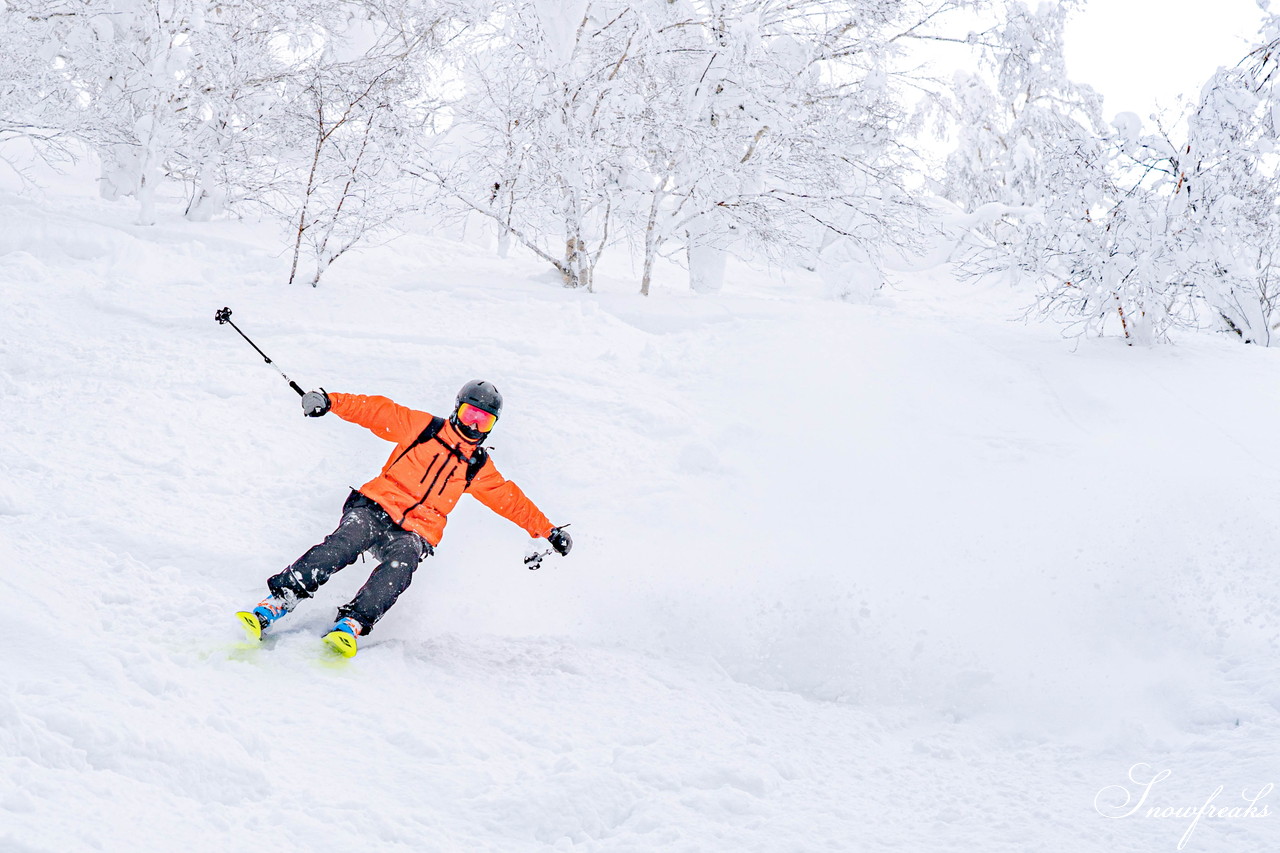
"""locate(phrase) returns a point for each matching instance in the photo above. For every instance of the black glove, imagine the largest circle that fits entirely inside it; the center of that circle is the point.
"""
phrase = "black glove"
(559, 539)
(315, 403)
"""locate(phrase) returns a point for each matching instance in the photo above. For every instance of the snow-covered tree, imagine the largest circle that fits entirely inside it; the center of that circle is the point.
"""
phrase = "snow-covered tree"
(348, 117)
(36, 104)
(787, 140)
(689, 128)
(1032, 164)
(130, 62)
(1019, 111)
(155, 88)
(1054, 196)
(1123, 229)
(239, 72)
(540, 131)
(1224, 184)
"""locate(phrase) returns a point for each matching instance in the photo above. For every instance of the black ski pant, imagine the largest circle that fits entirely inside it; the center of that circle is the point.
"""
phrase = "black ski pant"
(365, 526)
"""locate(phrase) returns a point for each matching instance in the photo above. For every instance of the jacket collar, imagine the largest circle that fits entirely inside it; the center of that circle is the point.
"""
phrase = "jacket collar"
(452, 438)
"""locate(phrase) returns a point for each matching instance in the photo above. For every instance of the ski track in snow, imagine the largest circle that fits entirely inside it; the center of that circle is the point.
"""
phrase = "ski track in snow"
(1004, 568)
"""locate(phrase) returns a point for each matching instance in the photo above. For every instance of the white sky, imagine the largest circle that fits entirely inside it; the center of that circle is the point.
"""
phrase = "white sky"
(1140, 52)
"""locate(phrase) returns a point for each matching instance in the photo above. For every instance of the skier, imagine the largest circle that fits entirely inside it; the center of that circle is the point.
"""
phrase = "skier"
(400, 515)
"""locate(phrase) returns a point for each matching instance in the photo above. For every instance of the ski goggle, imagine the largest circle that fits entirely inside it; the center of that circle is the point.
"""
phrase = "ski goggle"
(478, 418)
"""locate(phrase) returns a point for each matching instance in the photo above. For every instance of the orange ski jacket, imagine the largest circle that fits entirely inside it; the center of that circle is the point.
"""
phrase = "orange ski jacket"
(420, 485)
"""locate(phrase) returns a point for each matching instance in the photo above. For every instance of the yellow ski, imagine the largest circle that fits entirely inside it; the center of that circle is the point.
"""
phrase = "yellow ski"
(249, 621)
(341, 642)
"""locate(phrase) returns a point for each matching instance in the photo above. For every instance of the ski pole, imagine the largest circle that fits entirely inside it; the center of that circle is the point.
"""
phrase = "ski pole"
(224, 316)
(533, 560)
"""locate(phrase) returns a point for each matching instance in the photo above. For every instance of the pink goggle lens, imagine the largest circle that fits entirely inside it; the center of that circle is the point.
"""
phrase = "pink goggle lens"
(478, 418)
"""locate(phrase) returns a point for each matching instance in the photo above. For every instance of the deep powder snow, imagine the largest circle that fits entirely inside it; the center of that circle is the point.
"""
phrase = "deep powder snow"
(902, 575)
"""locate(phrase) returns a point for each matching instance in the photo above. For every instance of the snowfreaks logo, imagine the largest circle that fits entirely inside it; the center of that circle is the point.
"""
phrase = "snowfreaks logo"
(1120, 801)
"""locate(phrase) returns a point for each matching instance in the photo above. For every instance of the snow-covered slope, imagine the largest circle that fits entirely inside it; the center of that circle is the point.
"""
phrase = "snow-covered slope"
(899, 576)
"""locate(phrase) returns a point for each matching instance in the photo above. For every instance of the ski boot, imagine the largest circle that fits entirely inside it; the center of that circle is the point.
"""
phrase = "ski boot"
(342, 638)
(270, 609)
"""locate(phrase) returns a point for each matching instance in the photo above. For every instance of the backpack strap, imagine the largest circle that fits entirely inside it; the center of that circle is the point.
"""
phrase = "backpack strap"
(432, 431)
(477, 462)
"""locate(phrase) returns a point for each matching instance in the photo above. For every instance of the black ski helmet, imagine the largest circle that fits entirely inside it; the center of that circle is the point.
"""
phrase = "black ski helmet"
(482, 395)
